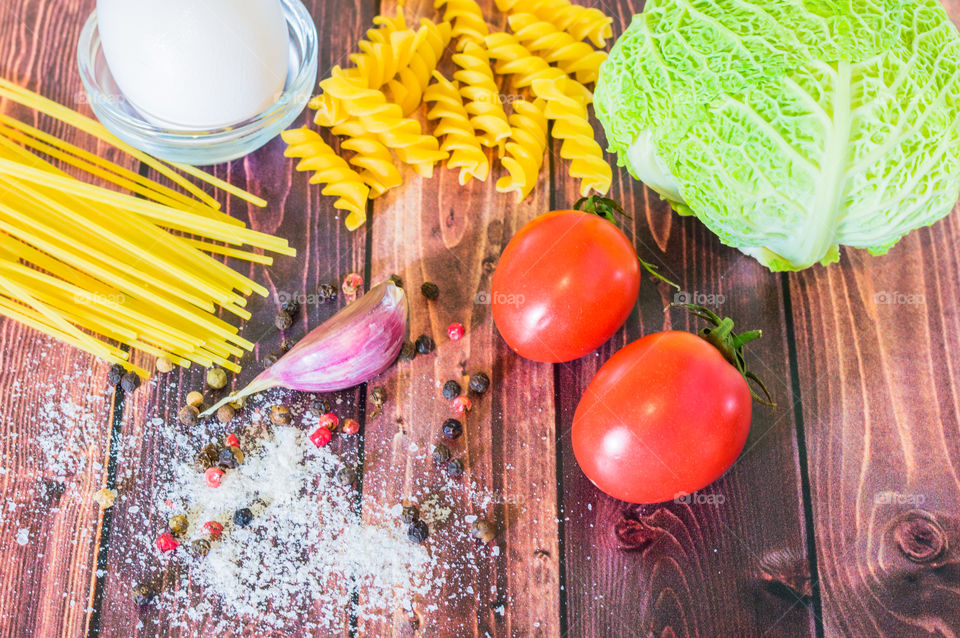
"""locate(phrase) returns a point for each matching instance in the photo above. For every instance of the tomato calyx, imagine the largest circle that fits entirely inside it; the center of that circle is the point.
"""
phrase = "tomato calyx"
(721, 336)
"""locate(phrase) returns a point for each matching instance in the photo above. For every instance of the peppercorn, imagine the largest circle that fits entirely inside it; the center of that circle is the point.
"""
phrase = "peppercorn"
(164, 365)
(378, 395)
(213, 529)
(286, 345)
(483, 530)
(395, 278)
(208, 457)
(115, 374)
(462, 404)
(280, 415)
(425, 344)
(352, 286)
(189, 415)
(430, 290)
(242, 517)
(271, 359)
(178, 525)
(452, 429)
(291, 307)
(455, 467)
(283, 321)
(166, 542)
(479, 383)
(195, 399)
(130, 382)
(225, 413)
(320, 406)
(143, 594)
(451, 390)
(455, 331)
(408, 352)
(216, 378)
(228, 458)
(232, 440)
(441, 453)
(213, 476)
(105, 498)
(346, 475)
(350, 426)
(410, 514)
(201, 546)
(329, 421)
(326, 292)
(321, 436)
(418, 531)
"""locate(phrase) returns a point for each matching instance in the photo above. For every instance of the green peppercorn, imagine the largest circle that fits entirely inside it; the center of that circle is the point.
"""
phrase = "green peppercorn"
(347, 476)
(441, 453)
(425, 344)
(208, 457)
(410, 514)
(451, 390)
(189, 415)
(483, 530)
(430, 290)
(280, 415)
(237, 453)
(225, 413)
(283, 321)
(178, 525)
(216, 378)
(164, 365)
(201, 546)
(479, 383)
(143, 594)
(115, 374)
(455, 467)
(130, 382)
(326, 292)
(242, 517)
(418, 531)
(452, 429)
(408, 352)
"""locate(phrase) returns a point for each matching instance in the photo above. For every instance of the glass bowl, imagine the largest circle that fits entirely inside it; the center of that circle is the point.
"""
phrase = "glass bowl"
(211, 146)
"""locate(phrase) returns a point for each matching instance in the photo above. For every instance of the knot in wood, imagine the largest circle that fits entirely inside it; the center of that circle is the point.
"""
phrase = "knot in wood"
(919, 537)
(632, 532)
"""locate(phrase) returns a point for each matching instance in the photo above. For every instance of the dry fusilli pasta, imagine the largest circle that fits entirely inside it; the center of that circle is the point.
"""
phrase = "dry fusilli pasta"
(467, 19)
(479, 88)
(406, 89)
(528, 140)
(574, 57)
(459, 138)
(377, 168)
(580, 22)
(330, 169)
(517, 60)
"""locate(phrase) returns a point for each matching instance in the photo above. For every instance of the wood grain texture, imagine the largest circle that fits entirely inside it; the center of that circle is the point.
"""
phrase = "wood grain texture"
(55, 408)
(687, 568)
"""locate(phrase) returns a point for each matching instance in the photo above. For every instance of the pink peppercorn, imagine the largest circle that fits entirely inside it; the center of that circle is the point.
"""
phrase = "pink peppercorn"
(462, 404)
(166, 542)
(352, 286)
(232, 440)
(350, 426)
(213, 529)
(213, 476)
(329, 421)
(321, 436)
(455, 331)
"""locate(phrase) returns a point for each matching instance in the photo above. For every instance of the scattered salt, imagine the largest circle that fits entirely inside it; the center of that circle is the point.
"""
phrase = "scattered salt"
(23, 536)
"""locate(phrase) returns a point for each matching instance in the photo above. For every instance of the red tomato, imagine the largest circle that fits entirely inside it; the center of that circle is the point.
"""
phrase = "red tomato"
(565, 283)
(667, 415)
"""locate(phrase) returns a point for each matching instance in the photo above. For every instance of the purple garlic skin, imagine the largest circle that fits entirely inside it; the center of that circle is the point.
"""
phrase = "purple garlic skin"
(354, 345)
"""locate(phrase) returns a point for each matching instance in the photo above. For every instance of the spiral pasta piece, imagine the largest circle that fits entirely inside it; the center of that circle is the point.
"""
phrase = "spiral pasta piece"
(386, 120)
(467, 19)
(407, 88)
(512, 58)
(459, 138)
(479, 88)
(377, 168)
(583, 23)
(329, 168)
(579, 144)
(528, 141)
(574, 57)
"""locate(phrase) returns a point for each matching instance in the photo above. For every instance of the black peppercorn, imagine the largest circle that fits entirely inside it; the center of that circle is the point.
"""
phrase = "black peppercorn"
(130, 382)
(396, 280)
(320, 406)
(291, 307)
(115, 374)
(425, 344)
(326, 292)
(283, 321)
(455, 467)
(408, 352)
(418, 531)
(441, 453)
(430, 290)
(201, 546)
(452, 429)
(378, 395)
(242, 517)
(451, 390)
(208, 457)
(479, 383)
(143, 594)
(226, 459)
(410, 514)
(346, 475)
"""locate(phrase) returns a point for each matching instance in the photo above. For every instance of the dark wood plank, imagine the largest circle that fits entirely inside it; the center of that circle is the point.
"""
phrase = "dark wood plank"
(697, 572)
(436, 230)
(326, 253)
(56, 406)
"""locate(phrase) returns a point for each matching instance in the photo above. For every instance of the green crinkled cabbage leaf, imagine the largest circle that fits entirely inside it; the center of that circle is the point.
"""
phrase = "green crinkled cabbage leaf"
(791, 127)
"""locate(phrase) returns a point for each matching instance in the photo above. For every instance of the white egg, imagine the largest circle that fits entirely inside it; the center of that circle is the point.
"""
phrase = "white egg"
(196, 63)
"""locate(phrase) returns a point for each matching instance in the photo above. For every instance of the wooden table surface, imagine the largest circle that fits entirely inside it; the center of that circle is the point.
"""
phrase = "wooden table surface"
(827, 525)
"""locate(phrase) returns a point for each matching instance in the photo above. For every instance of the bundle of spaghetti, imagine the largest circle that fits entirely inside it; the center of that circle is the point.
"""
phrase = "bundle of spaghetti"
(583, 23)
(97, 268)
